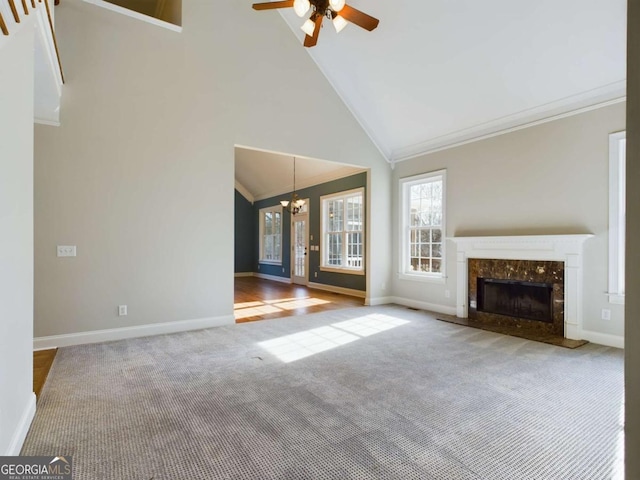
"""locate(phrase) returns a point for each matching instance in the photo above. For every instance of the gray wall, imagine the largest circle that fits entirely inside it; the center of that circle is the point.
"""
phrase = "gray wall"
(354, 282)
(547, 179)
(141, 174)
(632, 353)
(16, 238)
(244, 235)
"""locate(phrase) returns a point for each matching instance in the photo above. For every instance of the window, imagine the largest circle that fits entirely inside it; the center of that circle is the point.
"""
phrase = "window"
(617, 215)
(423, 227)
(271, 235)
(342, 241)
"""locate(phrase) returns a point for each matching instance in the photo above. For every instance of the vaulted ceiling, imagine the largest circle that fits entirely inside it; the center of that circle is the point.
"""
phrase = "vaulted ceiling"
(440, 72)
(437, 73)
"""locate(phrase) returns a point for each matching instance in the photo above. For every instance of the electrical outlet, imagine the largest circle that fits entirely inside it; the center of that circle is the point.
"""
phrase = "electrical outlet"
(447, 294)
(606, 314)
(383, 286)
(315, 274)
(122, 310)
(66, 250)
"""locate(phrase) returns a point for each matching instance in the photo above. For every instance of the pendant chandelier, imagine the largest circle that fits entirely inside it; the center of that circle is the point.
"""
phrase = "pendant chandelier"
(294, 205)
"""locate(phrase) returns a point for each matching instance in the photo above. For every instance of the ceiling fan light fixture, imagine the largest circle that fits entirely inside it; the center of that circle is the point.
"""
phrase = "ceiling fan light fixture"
(337, 5)
(301, 7)
(309, 27)
(339, 23)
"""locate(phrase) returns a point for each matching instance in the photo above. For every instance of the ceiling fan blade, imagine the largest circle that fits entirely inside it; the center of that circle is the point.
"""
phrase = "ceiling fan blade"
(311, 41)
(271, 5)
(359, 18)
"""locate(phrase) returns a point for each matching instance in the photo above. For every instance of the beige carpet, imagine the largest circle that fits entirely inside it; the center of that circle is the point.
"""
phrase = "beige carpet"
(381, 392)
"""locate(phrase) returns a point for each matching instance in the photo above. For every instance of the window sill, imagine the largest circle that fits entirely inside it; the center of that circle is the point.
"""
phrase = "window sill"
(439, 279)
(616, 298)
(348, 271)
(270, 262)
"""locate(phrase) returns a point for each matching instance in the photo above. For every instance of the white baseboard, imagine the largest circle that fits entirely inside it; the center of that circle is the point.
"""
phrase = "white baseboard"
(243, 274)
(334, 289)
(372, 302)
(111, 334)
(605, 339)
(275, 278)
(431, 307)
(20, 434)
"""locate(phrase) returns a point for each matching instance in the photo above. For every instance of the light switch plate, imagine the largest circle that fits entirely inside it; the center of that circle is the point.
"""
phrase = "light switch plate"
(66, 250)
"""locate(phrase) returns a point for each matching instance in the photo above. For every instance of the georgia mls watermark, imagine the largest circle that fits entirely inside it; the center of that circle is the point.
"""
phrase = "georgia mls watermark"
(36, 468)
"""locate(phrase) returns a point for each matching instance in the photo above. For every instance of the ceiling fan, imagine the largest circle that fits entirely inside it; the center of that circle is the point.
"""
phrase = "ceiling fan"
(335, 10)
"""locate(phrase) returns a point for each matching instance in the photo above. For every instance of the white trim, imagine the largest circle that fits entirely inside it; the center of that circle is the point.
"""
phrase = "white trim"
(342, 290)
(42, 121)
(617, 189)
(243, 274)
(245, 192)
(344, 195)
(98, 336)
(275, 278)
(404, 254)
(605, 339)
(136, 15)
(301, 184)
(374, 301)
(575, 105)
(274, 209)
(20, 433)
(430, 307)
(564, 248)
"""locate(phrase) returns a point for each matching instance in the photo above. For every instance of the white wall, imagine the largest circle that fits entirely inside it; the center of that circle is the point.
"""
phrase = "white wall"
(548, 179)
(141, 174)
(17, 401)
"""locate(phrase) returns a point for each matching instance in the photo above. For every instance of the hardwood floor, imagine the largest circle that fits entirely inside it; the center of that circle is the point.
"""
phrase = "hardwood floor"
(42, 361)
(258, 299)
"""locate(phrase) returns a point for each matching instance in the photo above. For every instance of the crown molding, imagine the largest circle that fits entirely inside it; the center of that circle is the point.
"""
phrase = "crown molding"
(573, 105)
(245, 192)
(342, 172)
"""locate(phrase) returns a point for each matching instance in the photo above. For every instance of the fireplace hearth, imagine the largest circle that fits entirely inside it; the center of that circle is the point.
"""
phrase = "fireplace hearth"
(552, 259)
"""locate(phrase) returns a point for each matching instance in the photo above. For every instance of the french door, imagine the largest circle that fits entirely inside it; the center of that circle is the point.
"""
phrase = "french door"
(299, 248)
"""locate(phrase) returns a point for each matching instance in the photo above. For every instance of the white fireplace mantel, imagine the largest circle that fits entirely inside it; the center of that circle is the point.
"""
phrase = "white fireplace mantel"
(564, 248)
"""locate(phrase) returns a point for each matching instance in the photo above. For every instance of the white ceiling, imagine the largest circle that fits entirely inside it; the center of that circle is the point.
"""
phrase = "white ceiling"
(441, 72)
(261, 174)
(437, 73)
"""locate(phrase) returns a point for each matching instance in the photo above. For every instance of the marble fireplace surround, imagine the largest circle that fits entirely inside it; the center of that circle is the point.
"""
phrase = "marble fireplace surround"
(564, 248)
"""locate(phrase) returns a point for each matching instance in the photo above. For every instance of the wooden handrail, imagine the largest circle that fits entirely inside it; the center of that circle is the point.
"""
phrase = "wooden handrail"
(14, 10)
(3, 26)
(53, 35)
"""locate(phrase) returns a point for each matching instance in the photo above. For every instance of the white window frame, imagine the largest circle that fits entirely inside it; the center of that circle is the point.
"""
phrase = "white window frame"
(323, 247)
(617, 216)
(405, 226)
(275, 209)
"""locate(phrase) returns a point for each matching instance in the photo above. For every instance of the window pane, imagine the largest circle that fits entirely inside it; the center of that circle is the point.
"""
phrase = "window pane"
(334, 257)
(277, 229)
(425, 217)
(268, 223)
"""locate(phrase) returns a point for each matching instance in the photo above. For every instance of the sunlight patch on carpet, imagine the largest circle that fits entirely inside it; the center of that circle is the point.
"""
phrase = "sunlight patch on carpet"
(304, 344)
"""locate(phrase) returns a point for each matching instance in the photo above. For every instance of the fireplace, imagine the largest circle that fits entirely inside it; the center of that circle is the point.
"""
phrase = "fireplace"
(528, 300)
(527, 294)
(554, 260)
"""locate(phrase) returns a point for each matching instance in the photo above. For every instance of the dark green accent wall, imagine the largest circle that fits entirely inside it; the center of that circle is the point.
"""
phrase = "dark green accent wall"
(345, 280)
(245, 234)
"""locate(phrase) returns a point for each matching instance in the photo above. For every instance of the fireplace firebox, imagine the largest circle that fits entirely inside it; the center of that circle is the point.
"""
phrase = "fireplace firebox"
(530, 300)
